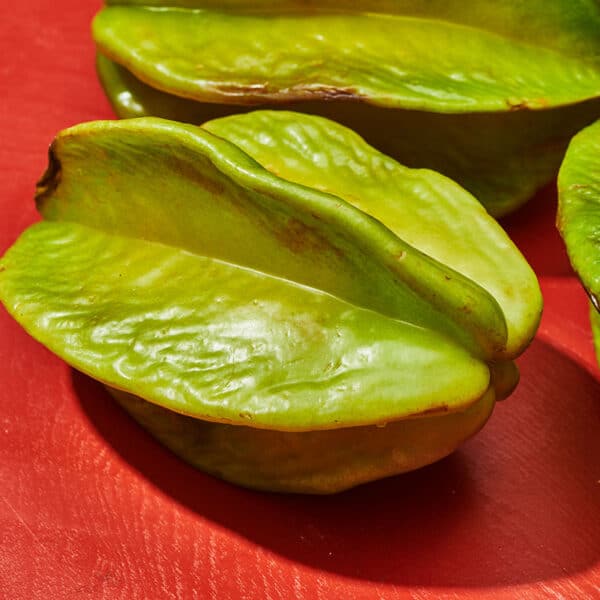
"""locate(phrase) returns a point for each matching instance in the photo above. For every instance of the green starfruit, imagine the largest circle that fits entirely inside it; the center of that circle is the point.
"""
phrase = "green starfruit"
(488, 93)
(287, 319)
(579, 213)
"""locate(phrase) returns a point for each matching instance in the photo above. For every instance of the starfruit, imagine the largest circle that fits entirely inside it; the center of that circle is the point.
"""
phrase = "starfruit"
(579, 214)
(277, 301)
(486, 92)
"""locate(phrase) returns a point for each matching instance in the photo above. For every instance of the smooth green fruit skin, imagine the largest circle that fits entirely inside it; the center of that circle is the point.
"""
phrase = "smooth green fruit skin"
(234, 346)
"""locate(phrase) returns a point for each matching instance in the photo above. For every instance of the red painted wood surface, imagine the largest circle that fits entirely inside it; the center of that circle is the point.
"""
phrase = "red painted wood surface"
(91, 507)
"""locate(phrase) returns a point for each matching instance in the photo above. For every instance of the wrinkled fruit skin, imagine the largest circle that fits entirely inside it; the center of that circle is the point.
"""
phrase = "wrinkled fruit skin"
(286, 320)
(579, 214)
(499, 129)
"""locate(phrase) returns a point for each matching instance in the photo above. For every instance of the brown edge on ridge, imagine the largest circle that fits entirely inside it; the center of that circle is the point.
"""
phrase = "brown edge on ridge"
(50, 180)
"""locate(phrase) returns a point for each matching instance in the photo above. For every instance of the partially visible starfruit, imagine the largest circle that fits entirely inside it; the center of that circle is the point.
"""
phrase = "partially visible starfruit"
(487, 92)
(579, 214)
(278, 302)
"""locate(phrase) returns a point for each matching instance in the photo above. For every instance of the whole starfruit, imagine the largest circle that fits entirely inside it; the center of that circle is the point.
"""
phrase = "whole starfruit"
(487, 92)
(278, 302)
(579, 215)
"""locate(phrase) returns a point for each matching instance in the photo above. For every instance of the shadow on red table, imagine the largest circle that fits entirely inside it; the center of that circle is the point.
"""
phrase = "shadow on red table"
(533, 229)
(518, 503)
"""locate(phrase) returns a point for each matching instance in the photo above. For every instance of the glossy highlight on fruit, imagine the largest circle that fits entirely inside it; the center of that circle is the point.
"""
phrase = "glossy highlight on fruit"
(499, 127)
(249, 301)
(579, 211)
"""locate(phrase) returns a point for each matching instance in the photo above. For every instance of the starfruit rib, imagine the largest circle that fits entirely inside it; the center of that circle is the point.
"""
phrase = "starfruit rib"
(423, 208)
(527, 148)
(579, 207)
(437, 67)
(572, 26)
(225, 343)
(183, 186)
(312, 462)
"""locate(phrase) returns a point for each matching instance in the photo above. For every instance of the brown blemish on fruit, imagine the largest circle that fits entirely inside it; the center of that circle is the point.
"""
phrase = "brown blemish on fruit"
(50, 180)
(259, 93)
(327, 93)
(434, 410)
(299, 237)
(193, 173)
(516, 104)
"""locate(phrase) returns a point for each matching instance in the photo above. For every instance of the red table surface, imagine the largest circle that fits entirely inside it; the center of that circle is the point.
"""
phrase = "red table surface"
(92, 507)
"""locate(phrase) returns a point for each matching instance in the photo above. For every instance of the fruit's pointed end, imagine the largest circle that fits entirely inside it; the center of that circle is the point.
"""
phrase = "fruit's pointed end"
(50, 180)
